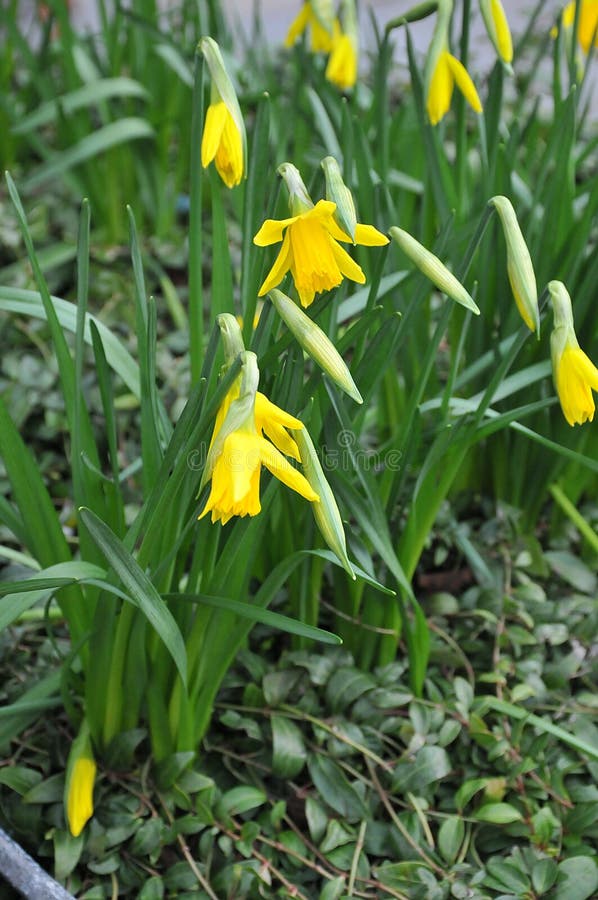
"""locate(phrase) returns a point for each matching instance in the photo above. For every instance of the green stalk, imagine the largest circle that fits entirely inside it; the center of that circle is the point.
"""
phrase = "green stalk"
(572, 513)
(195, 222)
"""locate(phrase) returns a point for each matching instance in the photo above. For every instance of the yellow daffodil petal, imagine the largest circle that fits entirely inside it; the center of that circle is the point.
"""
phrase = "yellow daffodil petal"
(441, 90)
(368, 236)
(281, 266)
(284, 471)
(347, 265)
(265, 409)
(271, 231)
(212, 132)
(464, 83)
(321, 39)
(281, 440)
(298, 25)
(588, 20)
(274, 421)
(342, 65)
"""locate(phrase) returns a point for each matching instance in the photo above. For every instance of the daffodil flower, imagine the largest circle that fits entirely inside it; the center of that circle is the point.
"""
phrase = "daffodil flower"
(588, 23)
(223, 140)
(448, 73)
(238, 449)
(575, 375)
(444, 71)
(310, 243)
(342, 64)
(318, 17)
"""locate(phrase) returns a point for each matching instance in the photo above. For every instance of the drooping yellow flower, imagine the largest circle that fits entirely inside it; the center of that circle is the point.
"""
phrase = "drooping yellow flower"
(310, 246)
(342, 65)
(222, 143)
(239, 449)
(319, 18)
(575, 375)
(588, 22)
(79, 801)
(448, 72)
(223, 139)
(443, 70)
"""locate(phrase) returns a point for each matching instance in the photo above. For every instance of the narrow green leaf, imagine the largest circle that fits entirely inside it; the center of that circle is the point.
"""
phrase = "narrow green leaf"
(121, 132)
(142, 591)
(257, 614)
(90, 94)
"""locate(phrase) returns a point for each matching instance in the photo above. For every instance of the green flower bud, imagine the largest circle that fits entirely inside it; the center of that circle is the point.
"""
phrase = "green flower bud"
(433, 269)
(519, 265)
(299, 199)
(326, 512)
(232, 337)
(338, 192)
(317, 344)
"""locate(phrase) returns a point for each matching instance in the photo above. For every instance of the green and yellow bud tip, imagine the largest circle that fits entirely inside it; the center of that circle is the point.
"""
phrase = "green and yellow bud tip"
(434, 269)
(520, 268)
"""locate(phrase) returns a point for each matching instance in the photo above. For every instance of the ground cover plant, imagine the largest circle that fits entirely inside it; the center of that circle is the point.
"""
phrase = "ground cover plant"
(364, 681)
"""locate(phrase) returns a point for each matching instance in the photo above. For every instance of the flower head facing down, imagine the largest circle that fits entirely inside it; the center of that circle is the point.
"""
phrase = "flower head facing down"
(444, 71)
(310, 243)
(575, 375)
(239, 449)
(588, 23)
(447, 73)
(318, 17)
(223, 140)
(342, 64)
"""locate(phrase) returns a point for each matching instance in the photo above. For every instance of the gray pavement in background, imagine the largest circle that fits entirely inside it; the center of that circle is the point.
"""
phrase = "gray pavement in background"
(277, 15)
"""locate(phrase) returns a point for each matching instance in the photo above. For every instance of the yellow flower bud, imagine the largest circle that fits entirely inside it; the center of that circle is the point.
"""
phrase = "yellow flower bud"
(519, 264)
(80, 779)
